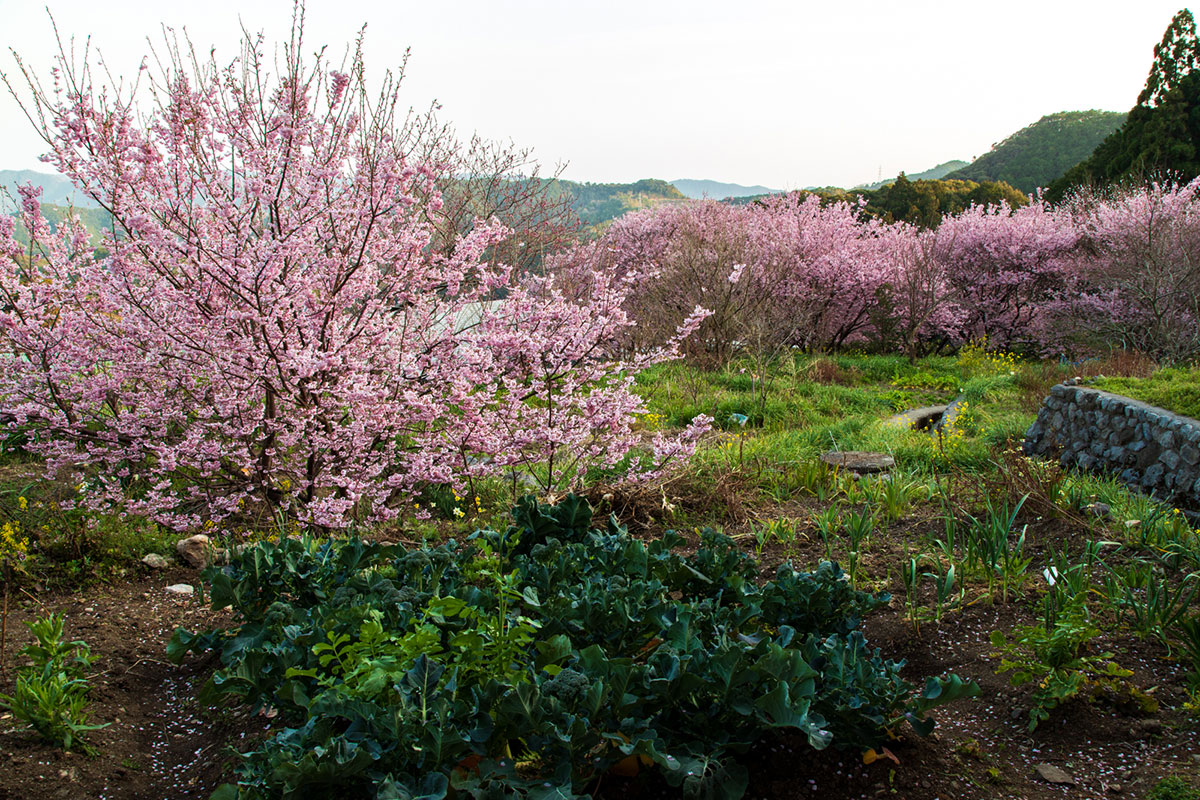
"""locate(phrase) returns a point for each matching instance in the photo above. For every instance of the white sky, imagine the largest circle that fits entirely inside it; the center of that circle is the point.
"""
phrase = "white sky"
(785, 94)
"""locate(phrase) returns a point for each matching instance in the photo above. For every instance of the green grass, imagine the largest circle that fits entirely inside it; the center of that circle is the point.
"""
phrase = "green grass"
(802, 406)
(1175, 389)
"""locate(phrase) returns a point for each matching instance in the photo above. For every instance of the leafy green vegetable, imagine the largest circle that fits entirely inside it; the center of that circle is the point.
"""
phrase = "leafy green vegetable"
(527, 663)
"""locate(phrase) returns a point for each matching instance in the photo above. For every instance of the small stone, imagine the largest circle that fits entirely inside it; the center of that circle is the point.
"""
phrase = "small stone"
(155, 561)
(859, 462)
(1098, 510)
(1052, 774)
(194, 550)
(1114, 788)
(181, 589)
(1130, 524)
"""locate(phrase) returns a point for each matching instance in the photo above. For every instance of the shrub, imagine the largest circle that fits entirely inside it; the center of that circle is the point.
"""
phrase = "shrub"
(530, 662)
(51, 693)
(1173, 787)
(1054, 657)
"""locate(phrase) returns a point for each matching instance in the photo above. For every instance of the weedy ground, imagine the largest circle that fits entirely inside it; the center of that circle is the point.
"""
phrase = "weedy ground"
(1072, 601)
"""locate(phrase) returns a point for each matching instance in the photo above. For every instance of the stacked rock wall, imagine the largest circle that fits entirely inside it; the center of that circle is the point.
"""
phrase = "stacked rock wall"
(1145, 446)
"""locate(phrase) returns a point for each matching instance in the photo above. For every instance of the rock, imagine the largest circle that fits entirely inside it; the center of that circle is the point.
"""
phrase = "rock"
(1098, 510)
(1114, 788)
(181, 589)
(1190, 454)
(950, 417)
(858, 461)
(155, 561)
(1052, 774)
(1150, 727)
(1130, 524)
(1153, 474)
(194, 550)
(921, 419)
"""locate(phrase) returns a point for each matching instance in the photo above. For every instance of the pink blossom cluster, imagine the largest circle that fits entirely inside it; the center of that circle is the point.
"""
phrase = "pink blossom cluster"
(266, 324)
(1137, 284)
(794, 272)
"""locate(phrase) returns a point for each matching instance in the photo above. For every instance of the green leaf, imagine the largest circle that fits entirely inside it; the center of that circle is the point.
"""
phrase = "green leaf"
(779, 711)
(552, 651)
(529, 595)
(226, 791)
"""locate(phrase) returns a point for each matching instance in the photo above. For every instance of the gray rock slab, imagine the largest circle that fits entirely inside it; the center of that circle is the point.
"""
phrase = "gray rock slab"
(859, 461)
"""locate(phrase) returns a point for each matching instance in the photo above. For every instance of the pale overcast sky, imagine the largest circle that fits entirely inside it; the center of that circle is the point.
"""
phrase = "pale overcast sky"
(785, 94)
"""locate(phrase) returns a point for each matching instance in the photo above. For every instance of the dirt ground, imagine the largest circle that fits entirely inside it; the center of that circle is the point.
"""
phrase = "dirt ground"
(161, 746)
(157, 743)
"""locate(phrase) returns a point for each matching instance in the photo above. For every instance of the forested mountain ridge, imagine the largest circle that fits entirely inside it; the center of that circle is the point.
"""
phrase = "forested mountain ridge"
(931, 174)
(1034, 156)
(596, 203)
(697, 189)
(56, 190)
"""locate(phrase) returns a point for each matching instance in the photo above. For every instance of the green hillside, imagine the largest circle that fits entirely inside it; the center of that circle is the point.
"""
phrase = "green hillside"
(56, 190)
(95, 220)
(597, 203)
(931, 174)
(1037, 154)
(698, 189)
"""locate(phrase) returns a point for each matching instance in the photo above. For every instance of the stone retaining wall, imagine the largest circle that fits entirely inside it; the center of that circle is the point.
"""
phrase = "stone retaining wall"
(1146, 447)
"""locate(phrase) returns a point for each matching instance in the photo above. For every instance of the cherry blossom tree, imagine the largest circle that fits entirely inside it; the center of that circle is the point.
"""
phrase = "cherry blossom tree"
(1138, 284)
(1005, 266)
(272, 321)
(779, 273)
(920, 311)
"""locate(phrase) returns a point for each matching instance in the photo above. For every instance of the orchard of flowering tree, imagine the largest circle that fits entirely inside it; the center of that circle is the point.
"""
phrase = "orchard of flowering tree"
(479, 503)
(1106, 272)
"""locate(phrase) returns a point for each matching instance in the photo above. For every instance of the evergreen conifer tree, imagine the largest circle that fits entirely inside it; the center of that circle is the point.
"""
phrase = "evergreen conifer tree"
(1161, 136)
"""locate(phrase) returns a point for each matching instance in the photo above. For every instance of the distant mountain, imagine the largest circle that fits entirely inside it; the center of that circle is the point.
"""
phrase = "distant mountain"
(56, 190)
(1034, 156)
(932, 174)
(597, 203)
(697, 189)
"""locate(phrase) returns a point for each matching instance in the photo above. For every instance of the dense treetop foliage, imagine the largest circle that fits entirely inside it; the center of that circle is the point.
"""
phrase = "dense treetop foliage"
(926, 202)
(921, 202)
(1161, 135)
(1034, 156)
